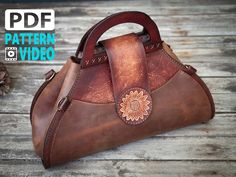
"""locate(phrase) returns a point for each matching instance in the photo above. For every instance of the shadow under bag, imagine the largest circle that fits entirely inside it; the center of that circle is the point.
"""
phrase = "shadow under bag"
(120, 90)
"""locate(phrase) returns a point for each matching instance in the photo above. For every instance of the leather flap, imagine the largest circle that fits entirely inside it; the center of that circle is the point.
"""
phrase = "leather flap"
(128, 65)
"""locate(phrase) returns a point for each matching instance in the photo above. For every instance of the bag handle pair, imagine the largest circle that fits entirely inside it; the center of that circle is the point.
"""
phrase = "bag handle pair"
(89, 40)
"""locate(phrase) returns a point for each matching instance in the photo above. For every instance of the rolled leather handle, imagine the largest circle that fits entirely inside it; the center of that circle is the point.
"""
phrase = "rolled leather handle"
(119, 18)
(83, 39)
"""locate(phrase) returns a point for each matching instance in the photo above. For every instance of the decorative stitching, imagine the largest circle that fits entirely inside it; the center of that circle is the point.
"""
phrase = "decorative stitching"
(103, 57)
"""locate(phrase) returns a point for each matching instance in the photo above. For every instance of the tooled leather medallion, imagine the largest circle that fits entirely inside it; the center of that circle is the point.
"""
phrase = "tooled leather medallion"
(134, 106)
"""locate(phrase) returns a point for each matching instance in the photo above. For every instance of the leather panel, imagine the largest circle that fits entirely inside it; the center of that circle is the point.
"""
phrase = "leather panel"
(127, 61)
(44, 108)
(180, 102)
(95, 85)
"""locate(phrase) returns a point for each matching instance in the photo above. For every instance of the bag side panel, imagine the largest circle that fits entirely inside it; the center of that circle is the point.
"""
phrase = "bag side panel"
(44, 108)
(86, 128)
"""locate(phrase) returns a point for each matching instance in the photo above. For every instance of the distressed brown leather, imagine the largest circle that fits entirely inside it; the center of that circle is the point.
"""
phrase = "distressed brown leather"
(128, 64)
(78, 111)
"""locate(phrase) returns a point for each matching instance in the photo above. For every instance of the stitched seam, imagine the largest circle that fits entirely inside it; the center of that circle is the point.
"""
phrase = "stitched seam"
(54, 137)
(155, 47)
(37, 95)
(206, 91)
(74, 85)
(200, 82)
(45, 135)
(178, 64)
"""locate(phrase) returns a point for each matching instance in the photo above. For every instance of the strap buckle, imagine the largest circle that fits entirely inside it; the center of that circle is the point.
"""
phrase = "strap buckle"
(189, 69)
(63, 104)
(50, 75)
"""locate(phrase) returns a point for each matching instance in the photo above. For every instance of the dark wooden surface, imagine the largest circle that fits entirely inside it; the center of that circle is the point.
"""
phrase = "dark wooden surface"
(202, 33)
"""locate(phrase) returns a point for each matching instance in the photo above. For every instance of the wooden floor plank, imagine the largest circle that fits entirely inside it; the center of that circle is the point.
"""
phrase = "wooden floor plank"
(107, 168)
(20, 103)
(37, 71)
(112, 4)
(223, 125)
(154, 148)
(176, 42)
(187, 56)
(189, 49)
(179, 44)
(79, 11)
(25, 86)
(184, 25)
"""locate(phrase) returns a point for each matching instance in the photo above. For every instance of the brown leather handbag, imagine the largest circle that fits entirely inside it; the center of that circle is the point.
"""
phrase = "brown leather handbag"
(117, 91)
